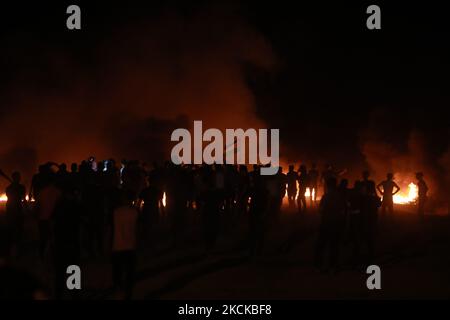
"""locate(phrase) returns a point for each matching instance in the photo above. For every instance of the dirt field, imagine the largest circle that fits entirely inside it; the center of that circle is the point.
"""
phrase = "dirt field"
(414, 258)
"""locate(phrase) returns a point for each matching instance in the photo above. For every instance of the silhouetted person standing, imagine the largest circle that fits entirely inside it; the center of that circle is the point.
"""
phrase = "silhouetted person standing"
(345, 192)
(213, 200)
(332, 223)
(302, 185)
(243, 190)
(150, 210)
(177, 199)
(14, 207)
(46, 201)
(281, 183)
(327, 173)
(292, 177)
(258, 212)
(276, 187)
(355, 205)
(156, 175)
(313, 181)
(74, 179)
(62, 175)
(369, 214)
(66, 220)
(388, 188)
(125, 218)
(422, 196)
(94, 212)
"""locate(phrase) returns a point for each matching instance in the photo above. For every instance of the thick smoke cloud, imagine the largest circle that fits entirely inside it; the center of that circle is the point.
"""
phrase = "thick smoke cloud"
(123, 96)
(119, 89)
(405, 150)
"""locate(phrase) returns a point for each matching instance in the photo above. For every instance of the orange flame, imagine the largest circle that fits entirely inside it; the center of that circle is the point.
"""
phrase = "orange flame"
(307, 193)
(4, 198)
(407, 198)
(164, 200)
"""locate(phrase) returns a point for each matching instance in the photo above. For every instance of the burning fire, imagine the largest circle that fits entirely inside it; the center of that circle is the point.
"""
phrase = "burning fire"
(404, 198)
(4, 198)
(307, 193)
(410, 197)
(164, 200)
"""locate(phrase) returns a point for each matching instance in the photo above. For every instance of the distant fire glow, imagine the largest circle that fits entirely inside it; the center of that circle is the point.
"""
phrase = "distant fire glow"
(307, 193)
(4, 198)
(408, 197)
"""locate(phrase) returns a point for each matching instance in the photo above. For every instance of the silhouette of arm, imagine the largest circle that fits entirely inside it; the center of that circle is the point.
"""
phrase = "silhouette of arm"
(5, 176)
(31, 191)
(397, 189)
(379, 188)
(23, 194)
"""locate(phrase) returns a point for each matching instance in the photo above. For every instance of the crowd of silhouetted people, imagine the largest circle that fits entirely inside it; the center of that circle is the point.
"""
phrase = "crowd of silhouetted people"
(97, 205)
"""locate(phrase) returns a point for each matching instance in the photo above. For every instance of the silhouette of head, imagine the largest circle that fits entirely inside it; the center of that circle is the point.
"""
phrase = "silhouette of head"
(366, 174)
(343, 184)
(16, 177)
(84, 167)
(291, 168)
(419, 175)
(48, 168)
(74, 167)
(110, 165)
(390, 176)
(63, 167)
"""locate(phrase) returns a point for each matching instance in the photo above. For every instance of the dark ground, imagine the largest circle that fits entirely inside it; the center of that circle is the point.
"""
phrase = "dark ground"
(414, 260)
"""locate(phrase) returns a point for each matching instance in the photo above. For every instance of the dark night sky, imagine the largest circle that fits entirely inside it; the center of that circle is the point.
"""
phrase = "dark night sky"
(334, 88)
